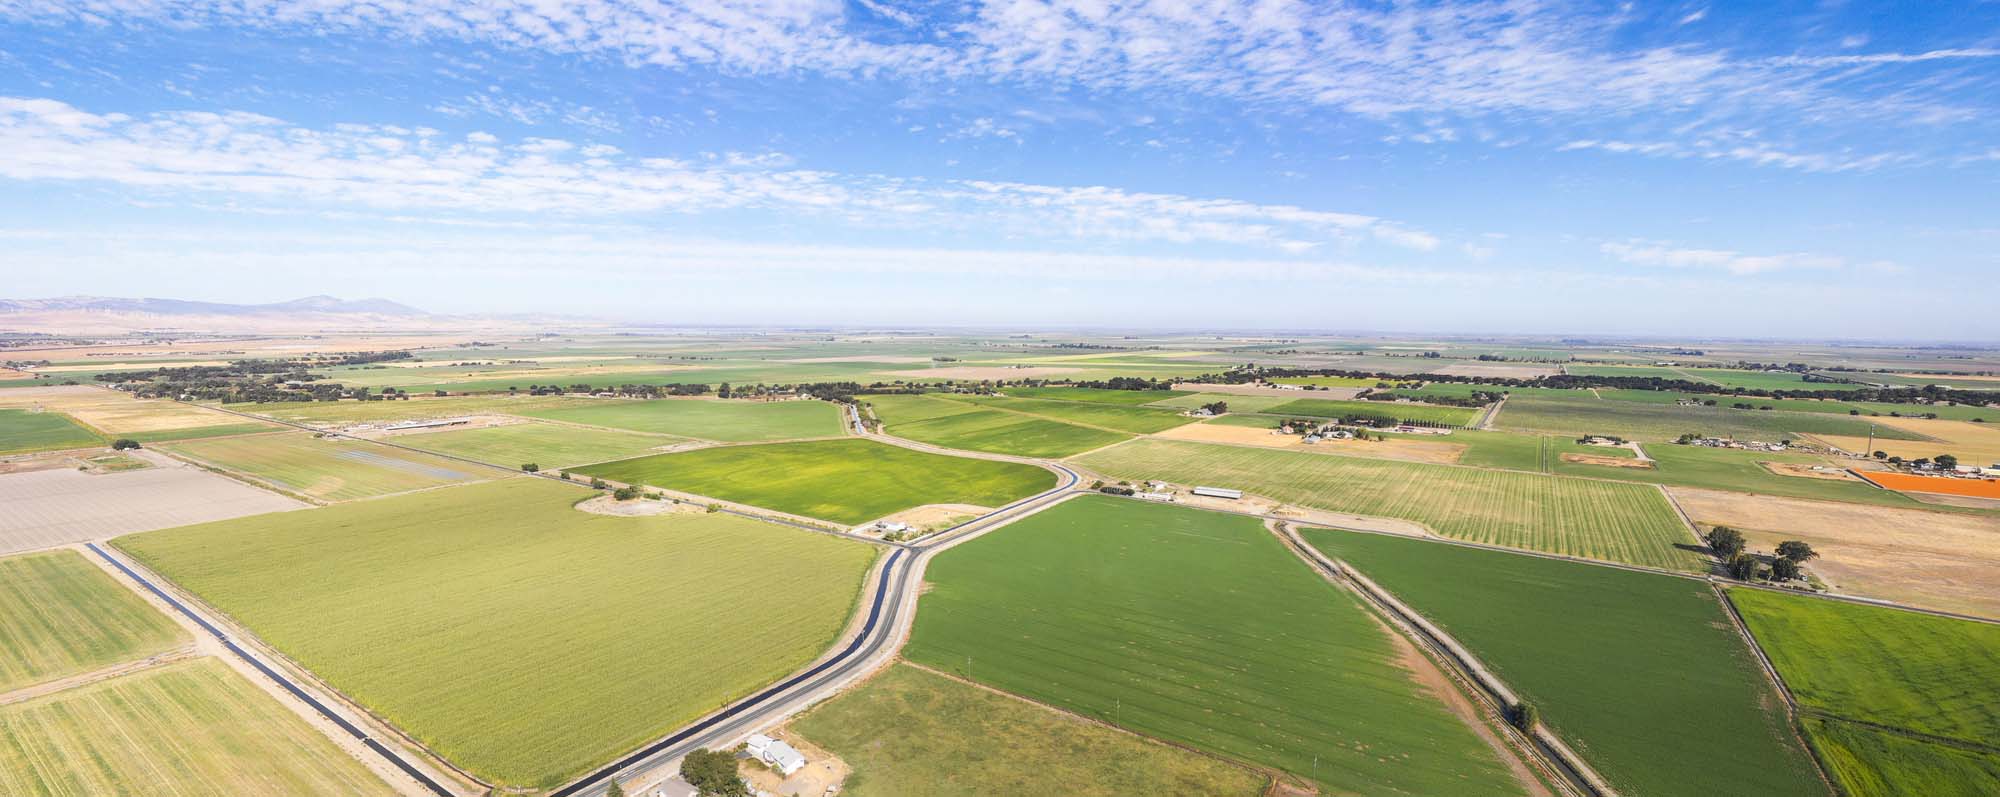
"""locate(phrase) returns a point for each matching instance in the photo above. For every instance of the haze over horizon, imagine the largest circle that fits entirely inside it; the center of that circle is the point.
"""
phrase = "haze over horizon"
(1700, 170)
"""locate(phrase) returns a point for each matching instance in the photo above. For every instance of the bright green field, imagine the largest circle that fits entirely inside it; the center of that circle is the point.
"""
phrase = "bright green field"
(1581, 414)
(22, 431)
(1874, 763)
(1137, 420)
(60, 616)
(951, 738)
(708, 419)
(523, 640)
(1933, 675)
(1642, 674)
(546, 444)
(328, 469)
(1386, 410)
(1198, 628)
(999, 432)
(187, 728)
(1576, 517)
(845, 481)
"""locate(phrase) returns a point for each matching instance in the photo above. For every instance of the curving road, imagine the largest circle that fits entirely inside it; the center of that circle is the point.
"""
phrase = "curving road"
(890, 610)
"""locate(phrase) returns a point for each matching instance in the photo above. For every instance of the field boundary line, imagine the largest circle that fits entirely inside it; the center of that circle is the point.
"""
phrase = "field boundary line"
(1274, 776)
(1553, 755)
(182, 604)
(1777, 680)
(1687, 522)
(105, 673)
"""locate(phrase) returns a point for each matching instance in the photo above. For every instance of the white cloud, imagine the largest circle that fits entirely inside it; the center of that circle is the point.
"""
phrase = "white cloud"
(1643, 253)
(253, 158)
(1744, 150)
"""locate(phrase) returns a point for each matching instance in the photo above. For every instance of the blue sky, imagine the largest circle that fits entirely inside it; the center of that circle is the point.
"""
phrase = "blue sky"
(1815, 169)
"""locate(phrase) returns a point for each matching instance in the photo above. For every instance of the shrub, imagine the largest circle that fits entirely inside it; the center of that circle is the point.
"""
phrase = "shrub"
(124, 444)
(531, 468)
(626, 493)
(1523, 716)
(598, 484)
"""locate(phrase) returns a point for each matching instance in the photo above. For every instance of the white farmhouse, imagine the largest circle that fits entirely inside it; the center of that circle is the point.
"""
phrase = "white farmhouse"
(782, 757)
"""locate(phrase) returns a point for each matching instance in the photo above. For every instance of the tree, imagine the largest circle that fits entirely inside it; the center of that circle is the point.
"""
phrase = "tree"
(1725, 542)
(1523, 716)
(1946, 461)
(1881, 455)
(1743, 566)
(531, 468)
(614, 790)
(713, 772)
(124, 444)
(1783, 569)
(626, 493)
(598, 484)
(1798, 552)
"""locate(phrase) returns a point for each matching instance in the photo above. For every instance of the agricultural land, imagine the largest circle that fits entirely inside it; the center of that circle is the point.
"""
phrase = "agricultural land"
(327, 469)
(1641, 673)
(434, 608)
(1243, 652)
(736, 421)
(60, 616)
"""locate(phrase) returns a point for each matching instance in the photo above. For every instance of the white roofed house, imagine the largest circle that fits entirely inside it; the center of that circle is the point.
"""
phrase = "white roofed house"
(775, 752)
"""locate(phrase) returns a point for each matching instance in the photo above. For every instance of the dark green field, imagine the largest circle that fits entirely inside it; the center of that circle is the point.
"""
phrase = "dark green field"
(1643, 674)
(1580, 413)
(845, 481)
(1198, 628)
(22, 431)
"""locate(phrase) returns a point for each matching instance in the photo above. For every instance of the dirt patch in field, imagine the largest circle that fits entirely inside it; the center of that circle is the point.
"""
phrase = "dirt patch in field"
(932, 516)
(59, 506)
(1236, 435)
(30, 464)
(638, 507)
(821, 776)
(1804, 471)
(1972, 443)
(1609, 462)
(1956, 500)
(1938, 560)
(982, 372)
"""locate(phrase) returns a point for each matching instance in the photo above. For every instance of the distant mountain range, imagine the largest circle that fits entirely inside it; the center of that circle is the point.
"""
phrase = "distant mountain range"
(99, 315)
(170, 307)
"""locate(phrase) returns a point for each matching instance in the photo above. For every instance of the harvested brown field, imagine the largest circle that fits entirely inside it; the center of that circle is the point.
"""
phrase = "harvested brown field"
(982, 372)
(1609, 462)
(1972, 443)
(1937, 560)
(114, 413)
(862, 358)
(1392, 448)
(1942, 485)
(44, 509)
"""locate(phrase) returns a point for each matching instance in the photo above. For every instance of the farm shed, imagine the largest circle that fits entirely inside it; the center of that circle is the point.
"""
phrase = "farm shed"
(1218, 492)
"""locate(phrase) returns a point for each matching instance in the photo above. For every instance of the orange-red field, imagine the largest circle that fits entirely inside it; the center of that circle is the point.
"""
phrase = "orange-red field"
(1910, 483)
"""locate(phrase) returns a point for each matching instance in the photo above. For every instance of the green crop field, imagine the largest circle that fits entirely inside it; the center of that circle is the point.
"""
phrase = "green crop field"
(1874, 763)
(328, 469)
(1187, 401)
(735, 421)
(1577, 517)
(952, 738)
(547, 444)
(1929, 674)
(999, 432)
(521, 639)
(1136, 420)
(1741, 471)
(893, 409)
(1327, 381)
(199, 432)
(1198, 628)
(1582, 414)
(845, 481)
(344, 412)
(187, 728)
(1641, 673)
(1384, 410)
(22, 431)
(1124, 397)
(60, 616)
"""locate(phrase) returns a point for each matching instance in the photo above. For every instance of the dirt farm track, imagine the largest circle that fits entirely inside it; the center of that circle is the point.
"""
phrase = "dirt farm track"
(46, 508)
